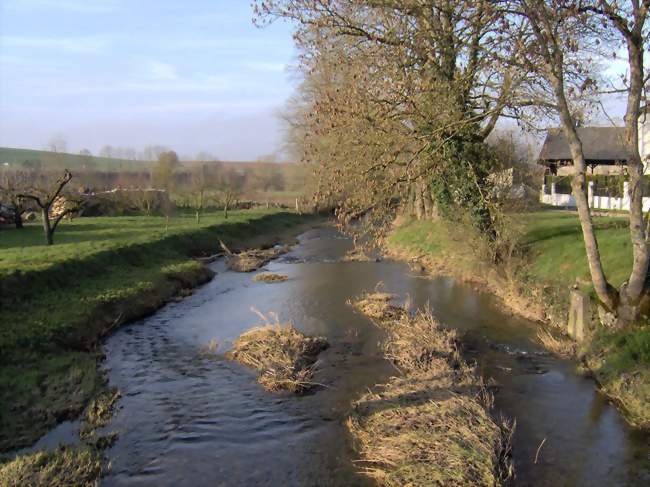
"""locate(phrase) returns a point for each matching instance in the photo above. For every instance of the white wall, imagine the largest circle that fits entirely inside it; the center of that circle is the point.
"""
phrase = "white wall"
(596, 202)
(644, 141)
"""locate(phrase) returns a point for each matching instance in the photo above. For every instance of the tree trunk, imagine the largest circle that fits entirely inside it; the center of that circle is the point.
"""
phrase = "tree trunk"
(225, 211)
(427, 201)
(605, 292)
(418, 202)
(635, 286)
(18, 219)
(47, 229)
(198, 217)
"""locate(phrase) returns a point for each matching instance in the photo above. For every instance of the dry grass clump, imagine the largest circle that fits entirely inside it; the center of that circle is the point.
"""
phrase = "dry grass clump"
(269, 277)
(378, 306)
(419, 344)
(251, 260)
(80, 466)
(285, 357)
(430, 426)
(97, 415)
(560, 345)
(419, 432)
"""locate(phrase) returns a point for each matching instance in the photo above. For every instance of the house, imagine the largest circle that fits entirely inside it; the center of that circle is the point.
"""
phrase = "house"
(603, 149)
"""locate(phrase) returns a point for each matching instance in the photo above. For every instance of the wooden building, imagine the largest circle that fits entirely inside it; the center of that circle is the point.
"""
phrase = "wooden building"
(603, 149)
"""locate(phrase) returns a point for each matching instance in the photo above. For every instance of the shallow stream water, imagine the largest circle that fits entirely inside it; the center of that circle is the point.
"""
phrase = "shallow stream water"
(188, 419)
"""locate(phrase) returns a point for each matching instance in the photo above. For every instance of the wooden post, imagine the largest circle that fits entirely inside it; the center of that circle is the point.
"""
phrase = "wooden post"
(579, 316)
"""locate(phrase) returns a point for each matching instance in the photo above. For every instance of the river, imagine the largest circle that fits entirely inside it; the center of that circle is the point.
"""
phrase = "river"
(190, 419)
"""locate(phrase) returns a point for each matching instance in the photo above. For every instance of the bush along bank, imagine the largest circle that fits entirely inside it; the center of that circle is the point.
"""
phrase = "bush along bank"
(53, 319)
(547, 265)
(431, 424)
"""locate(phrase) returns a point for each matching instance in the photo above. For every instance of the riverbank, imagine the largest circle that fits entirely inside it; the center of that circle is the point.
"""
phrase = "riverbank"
(549, 260)
(101, 273)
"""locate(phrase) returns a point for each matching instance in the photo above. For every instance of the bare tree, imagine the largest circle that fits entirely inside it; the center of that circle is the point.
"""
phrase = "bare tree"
(228, 198)
(199, 186)
(163, 172)
(45, 198)
(106, 151)
(565, 37)
(397, 95)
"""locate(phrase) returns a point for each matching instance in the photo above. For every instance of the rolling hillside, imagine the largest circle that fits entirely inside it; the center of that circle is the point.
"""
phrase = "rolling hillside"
(41, 159)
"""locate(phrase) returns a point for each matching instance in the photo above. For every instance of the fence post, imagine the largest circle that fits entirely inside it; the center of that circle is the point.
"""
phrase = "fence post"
(626, 196)
(579, 315)
(590, 193)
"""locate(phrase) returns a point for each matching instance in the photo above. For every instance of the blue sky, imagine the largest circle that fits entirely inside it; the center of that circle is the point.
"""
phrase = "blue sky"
(194, 75)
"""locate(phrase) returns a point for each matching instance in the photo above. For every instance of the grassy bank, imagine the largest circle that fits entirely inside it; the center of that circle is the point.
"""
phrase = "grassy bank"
(550, 259)
(551, 242)
(57, 302)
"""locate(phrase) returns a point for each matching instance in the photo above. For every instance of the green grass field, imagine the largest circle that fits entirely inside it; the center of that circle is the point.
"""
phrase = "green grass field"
(57, 301)
(551, 242)
(556, 252)
(82, 238)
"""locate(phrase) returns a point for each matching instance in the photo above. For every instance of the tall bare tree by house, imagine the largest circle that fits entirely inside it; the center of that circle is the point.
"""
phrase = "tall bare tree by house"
(565, 37)
(44, 198)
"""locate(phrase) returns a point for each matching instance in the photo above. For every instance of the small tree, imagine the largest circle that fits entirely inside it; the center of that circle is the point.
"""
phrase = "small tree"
(228, 197)
(163, 172)
(45, 198)
(199, 184)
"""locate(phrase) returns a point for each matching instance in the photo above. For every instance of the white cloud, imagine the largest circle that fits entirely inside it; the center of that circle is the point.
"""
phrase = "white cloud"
(69, 44)
(161, 71)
